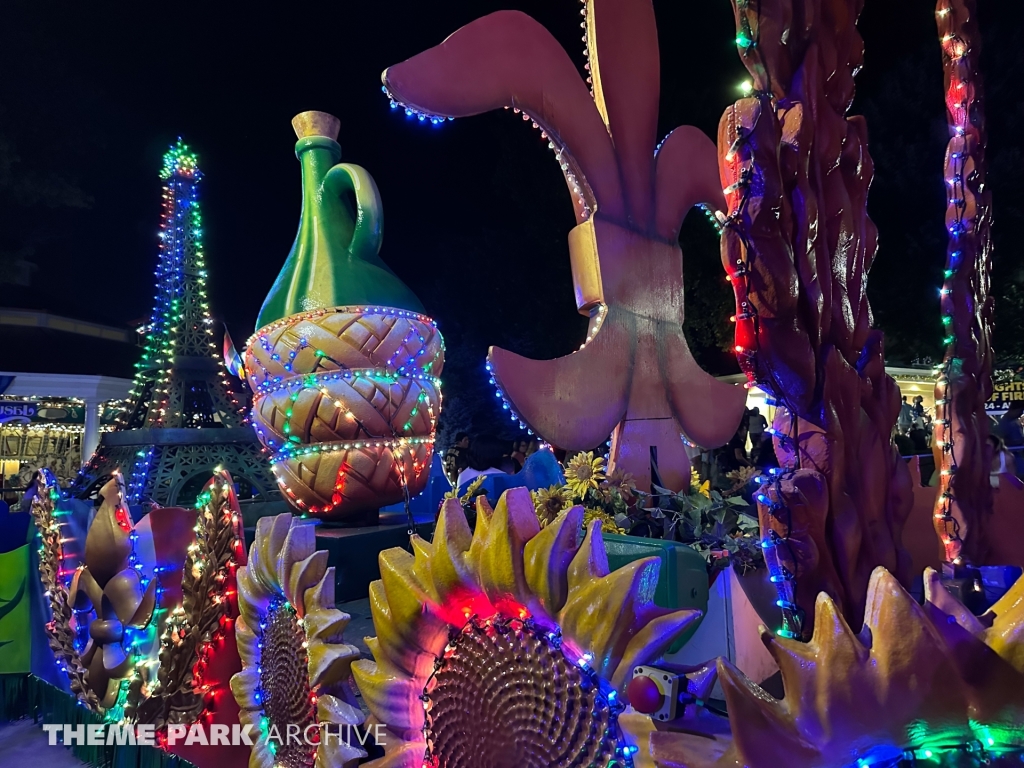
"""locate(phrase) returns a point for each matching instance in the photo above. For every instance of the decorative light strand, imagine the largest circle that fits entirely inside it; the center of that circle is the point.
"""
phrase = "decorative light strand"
(966, 278)
(780, 558)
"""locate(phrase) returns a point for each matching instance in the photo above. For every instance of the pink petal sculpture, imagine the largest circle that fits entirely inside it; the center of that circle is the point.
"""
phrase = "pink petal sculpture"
(635, 377)
(798, 245)
(961, 445)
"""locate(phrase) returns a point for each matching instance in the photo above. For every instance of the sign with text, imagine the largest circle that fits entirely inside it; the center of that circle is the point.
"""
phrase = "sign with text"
(17, 411)
(1004, 393)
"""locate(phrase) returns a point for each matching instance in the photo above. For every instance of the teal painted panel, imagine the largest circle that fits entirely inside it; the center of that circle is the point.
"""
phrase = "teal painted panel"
(682, 581)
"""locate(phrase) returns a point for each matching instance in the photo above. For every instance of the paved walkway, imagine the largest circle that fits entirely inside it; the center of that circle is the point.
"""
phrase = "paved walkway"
(23, 743)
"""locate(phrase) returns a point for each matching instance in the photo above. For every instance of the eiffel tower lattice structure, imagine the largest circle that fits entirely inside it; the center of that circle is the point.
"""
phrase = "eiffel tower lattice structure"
(185, 415)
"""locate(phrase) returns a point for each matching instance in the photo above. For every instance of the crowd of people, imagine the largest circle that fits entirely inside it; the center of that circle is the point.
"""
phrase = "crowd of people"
(914, 429)
(468, 458)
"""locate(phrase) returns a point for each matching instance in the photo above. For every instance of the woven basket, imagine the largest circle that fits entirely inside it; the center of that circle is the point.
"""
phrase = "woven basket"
(347, 400)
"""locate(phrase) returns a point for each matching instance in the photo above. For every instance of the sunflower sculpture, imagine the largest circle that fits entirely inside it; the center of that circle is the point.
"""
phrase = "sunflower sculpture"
(550, 502)
(295, 666)
(584, 473)
(511, 645)
(916, 684)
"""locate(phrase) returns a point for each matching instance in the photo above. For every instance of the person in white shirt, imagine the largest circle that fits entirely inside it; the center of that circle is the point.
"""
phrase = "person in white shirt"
(486, 457)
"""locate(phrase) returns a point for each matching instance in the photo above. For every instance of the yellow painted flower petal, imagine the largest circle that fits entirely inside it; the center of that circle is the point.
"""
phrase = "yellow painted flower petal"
(331, 709)
(244, 685)
(498, 558)
(1006, 635)
(602, 615)
(447, 566)
(484, 512)
(410, 634)
(391, 699)
(651, 642)
(938, 596)
(335, 752)
(253, 597)
(299, 543)
(329, 662)
(305, 574)
(637, 730)
(261, 757)
(271, 533)
(321, 596)
(248, 645)
(326, 624)
(591, 561)
(765, 731)
(547, 559)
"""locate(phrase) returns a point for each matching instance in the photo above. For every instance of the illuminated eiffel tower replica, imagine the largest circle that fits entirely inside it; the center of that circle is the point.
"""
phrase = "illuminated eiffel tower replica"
(185, 415)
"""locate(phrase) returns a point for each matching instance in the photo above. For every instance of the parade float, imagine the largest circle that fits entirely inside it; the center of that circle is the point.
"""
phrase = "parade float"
(507, 636)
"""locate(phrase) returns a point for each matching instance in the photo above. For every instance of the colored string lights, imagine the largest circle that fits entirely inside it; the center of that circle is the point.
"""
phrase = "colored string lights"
(180, 325)
(209, 588)
(964, 376)
(344, 379)
(779, 556)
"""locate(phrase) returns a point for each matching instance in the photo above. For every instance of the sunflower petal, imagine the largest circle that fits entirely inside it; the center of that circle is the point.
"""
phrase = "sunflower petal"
(637, 730)
(299, 543)
(305, 574)
(253, 597)
(247, 642)
(331, 709)
(591, 561)
(603, 614)
(651, 642)
(244, 685)
(447, 565)
(391, 699)
(321, 596)
(271, 533)
(261, 756)
(326, 624)
(547, 558)
(498, 560)
(425, 634)
(335, 751)
(329, 662)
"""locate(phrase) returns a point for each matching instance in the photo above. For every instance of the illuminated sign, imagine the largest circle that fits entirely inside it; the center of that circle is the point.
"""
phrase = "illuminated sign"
(17, 411)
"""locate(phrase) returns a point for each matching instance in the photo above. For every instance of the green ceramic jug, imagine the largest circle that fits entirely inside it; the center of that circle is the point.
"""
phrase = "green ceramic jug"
(334, 261)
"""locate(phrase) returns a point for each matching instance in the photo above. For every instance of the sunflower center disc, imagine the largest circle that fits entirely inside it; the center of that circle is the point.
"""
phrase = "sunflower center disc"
(506, 697)
(285, 685)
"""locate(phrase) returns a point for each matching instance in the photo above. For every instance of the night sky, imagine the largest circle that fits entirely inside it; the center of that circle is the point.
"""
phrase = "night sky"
(476, 212)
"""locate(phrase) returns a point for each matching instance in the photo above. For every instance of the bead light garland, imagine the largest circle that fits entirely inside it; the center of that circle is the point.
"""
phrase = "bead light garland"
(181, 322)
(189, 640)
(779, 556)
(963, 382)
(56, 578)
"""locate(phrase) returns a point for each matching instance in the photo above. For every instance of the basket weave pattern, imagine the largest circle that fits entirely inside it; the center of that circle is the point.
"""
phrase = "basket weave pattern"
(347, 399)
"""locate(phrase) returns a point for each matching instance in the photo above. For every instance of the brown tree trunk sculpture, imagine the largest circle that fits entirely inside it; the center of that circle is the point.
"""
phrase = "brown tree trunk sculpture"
(797, 244)
(965, 382)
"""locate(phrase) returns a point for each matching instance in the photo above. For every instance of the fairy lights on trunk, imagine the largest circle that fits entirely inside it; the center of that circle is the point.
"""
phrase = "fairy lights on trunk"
(964, 383)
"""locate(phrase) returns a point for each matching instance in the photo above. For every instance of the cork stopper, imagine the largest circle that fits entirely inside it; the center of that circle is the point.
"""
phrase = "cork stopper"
(316, 124)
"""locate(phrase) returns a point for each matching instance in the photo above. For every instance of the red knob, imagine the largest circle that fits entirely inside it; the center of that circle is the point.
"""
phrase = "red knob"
(644, 695)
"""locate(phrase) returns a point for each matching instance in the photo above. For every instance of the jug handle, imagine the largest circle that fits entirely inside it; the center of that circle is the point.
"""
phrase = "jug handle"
(368, 231)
